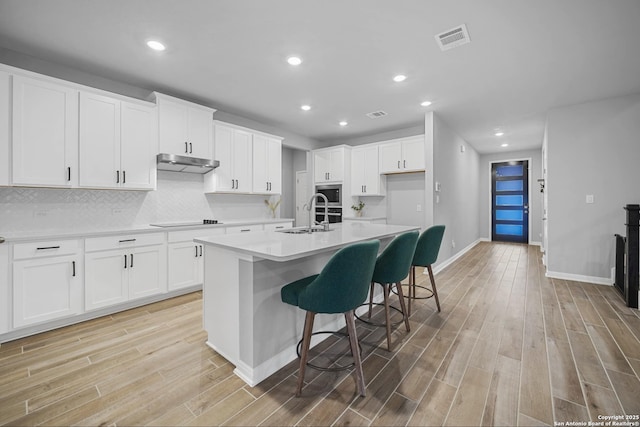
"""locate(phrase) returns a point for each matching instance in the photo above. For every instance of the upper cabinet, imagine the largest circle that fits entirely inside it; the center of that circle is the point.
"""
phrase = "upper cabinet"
(267, 164)
(185, 128)
(402, 155)
(117, 143)
(365, 176)
(328, 165)
(45, 133)
(232, 148)
(5, 129)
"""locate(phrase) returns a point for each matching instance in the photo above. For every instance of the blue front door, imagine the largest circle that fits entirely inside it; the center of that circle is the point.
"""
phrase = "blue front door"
(510, 201)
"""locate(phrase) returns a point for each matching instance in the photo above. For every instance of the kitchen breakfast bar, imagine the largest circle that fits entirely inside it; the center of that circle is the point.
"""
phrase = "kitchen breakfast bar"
(243, 315)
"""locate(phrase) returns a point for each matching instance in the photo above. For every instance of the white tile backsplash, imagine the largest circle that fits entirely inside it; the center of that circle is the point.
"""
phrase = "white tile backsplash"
(179, 197)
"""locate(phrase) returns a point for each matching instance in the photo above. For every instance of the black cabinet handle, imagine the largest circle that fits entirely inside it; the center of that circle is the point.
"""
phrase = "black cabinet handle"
(125, 262)
(73, 266)
(196, 247)
(398, 164)
(190, 148)
(404, 162)
(131, 263)
(186, 147)
(245, 229)
(69, 173)
(279, 226)
(47, 247)
(200, 250)
(117, 177)
(124, 177)
(126, 240)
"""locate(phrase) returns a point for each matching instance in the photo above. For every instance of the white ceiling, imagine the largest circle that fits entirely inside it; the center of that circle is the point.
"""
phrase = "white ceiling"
(525, 57)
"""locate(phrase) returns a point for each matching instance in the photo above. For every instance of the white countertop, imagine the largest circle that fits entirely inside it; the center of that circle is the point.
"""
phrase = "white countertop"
(278, 246)
(22, 236)
(363, 218)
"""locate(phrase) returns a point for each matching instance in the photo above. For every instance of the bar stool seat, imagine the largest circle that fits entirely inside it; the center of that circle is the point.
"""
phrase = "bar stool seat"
(392, 265)
(341, 286)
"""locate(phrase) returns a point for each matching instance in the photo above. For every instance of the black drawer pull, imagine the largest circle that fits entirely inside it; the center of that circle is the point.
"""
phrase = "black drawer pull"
(127, 240)
(279, 226)
(245, 229)
(48, 247)
(131, 264)
(200, 250)
(73, 266)
(125, 262)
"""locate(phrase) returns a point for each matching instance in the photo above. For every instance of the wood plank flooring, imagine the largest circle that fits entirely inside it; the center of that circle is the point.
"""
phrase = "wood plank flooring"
(510, 347)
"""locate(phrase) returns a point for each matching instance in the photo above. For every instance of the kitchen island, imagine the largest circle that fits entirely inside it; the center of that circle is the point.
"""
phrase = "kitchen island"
(243, 315)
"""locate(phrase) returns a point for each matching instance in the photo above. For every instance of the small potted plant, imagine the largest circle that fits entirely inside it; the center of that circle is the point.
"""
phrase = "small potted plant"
(358, 208)
(272, 206)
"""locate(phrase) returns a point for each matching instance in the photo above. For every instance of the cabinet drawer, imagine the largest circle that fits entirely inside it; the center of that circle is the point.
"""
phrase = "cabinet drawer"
(278, 226)
(189, 235)
(45, 249)
(244, 228)
(122, 241)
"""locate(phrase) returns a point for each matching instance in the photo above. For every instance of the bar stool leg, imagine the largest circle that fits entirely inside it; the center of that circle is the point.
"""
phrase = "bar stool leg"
(306, 341)
(433, 285)
(355, 350)
(370, 299)
(411, 288)
(402, 306)
(385, 288)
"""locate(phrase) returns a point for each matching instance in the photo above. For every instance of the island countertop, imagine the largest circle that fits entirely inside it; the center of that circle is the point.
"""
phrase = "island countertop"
(279, 246)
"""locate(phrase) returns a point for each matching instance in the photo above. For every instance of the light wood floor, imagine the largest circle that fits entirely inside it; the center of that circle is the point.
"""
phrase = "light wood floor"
(510, 347)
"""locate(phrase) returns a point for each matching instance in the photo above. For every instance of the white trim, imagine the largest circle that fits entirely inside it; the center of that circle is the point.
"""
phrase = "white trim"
(580, 278)
(536, 244)
(439, 267)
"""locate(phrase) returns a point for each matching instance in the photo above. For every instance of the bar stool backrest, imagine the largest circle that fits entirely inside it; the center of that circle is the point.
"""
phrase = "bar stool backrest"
(394, 262)
(428, 246)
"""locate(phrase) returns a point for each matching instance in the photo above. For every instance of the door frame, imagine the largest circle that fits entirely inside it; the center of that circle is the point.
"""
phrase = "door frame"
(490, 216)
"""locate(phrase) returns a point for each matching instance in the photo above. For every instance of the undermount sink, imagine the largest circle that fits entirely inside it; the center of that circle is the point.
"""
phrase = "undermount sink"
(303, 230)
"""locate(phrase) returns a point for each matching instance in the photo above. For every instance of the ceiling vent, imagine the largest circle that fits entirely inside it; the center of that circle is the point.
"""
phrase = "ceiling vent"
(376, 114)
(453, 38)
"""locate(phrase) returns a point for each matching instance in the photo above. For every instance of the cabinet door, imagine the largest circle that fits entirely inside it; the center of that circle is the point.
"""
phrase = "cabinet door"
(45, 133)
(106, 274)
(223, 149)
(260, 164)
(147, 273)
(185, 265)
(370, 172)
(138, 146)
(390, 157)
(99, 154)
(336, 165)
(200, 123)
(413, 154)
(5, 129)
(321, 161)
(274, 166)
(45, 289)
(173, 127)
(358, 167)
(242, 161)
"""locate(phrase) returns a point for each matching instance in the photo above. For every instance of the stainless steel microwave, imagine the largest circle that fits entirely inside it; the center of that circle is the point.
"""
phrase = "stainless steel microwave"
(333, 193)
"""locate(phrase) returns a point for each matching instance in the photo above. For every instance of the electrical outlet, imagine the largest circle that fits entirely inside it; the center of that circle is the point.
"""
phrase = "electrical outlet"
(589, 198)
(418, 208)
(116, 211)
(40, 214)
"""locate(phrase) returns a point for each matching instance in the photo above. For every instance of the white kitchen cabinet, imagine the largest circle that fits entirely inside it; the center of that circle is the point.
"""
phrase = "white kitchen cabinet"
(47, 281)
(365, 176)
(329, 165)
(117, 144)
(5, 129)
(123, 268)
(5, 290)
(402, 155)
(185, 128)
(185, 258)
(45, 133)
(232, 147)
(267, 164)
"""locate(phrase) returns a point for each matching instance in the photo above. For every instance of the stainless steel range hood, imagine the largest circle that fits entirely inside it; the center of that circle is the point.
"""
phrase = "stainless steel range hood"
(175, 163)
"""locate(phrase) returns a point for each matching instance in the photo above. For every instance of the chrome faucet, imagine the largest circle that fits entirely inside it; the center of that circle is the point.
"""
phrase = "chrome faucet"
(309, 206)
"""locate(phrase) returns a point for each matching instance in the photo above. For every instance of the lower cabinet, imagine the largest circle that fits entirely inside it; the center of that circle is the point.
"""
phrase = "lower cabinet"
(275, 226)
(185, 258)
(134, 270)
(47, 282)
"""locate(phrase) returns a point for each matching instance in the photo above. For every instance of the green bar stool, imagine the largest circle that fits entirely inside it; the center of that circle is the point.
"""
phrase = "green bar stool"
(426, 254)
(392, 266)
(341, 287)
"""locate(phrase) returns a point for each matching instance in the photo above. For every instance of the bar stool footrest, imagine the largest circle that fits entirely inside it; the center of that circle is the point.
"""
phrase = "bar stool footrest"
(382, 325)
(327, 368)
(430, 295)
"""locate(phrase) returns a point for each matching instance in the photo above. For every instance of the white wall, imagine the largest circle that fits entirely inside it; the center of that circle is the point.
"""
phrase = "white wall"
(535, 196)
(459, 200)
(404, 193)
(592, 148)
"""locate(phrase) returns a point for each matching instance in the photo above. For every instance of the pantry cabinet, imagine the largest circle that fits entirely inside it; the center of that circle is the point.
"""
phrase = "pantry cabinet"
(123, 268)
(44, 133)
(365, 176)
(267, 164)
(117, 143)
(185, 128)
(402, 155)
(232, 147)
(47, 281)
(5, 129)
(329, 164)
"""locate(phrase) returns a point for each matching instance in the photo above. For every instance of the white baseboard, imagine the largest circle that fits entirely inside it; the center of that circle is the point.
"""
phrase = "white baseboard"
(536, 244)
(438, 268)
(580, 278)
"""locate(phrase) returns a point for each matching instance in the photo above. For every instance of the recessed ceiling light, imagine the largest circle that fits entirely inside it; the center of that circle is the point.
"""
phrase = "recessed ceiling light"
(343, 123)
(155, 45)
(504, 145)
(499, 133)
(399, 78)
(294, 60)
(425, 103)
(306, 107)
